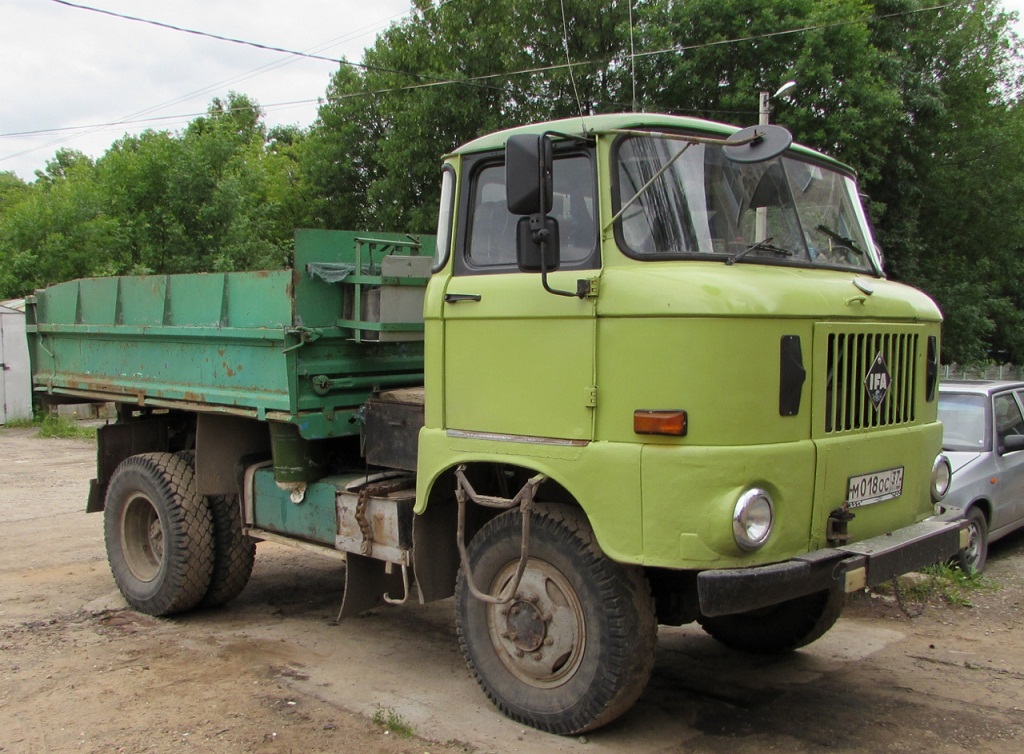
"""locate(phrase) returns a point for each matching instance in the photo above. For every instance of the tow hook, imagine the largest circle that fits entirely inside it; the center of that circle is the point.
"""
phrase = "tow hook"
(837, 529)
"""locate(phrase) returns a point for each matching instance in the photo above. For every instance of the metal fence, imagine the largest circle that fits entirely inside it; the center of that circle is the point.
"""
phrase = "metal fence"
(990, 372)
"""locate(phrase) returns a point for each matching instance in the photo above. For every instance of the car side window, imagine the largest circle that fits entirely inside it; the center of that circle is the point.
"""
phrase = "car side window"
(1007, 416)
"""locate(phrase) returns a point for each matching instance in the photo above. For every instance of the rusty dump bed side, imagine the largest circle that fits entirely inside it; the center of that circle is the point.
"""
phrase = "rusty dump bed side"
(306, 345)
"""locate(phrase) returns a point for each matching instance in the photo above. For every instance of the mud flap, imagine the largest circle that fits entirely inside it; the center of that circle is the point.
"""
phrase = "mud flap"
(366, 583)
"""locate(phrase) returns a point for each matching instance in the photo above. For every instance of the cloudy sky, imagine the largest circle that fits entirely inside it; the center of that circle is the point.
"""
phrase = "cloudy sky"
(79, 79)
(66, 68)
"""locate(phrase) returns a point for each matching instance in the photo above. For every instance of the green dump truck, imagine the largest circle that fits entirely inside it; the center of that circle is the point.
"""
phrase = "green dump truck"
(650, 371)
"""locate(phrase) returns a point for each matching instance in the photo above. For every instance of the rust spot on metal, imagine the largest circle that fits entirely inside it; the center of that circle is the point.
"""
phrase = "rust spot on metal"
(228, 370)
(262, 273)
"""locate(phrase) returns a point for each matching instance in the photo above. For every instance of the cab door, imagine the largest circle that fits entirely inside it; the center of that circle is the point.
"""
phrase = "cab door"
(519, 360)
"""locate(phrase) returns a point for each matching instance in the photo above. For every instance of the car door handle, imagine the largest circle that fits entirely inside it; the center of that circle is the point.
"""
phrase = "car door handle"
(454, 298)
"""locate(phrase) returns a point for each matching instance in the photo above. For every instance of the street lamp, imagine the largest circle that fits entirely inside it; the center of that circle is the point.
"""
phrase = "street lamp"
(761, 215)
(764, 107)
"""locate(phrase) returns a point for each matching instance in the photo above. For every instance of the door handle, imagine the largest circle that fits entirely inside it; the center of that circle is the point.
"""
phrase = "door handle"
(454, 298)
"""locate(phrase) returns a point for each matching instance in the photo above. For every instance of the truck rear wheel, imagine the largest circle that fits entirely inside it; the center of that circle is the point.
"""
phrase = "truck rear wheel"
(778, 628)
(158, 533)
(574, 649)
(234, 553)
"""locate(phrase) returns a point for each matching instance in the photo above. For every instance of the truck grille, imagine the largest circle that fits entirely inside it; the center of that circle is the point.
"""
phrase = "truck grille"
(853, 370)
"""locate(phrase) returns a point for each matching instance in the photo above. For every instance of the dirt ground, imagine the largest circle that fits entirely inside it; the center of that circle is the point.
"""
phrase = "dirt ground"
(274, 673)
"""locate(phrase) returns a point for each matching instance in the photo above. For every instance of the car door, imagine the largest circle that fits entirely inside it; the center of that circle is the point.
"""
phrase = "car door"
(1008, 493)
(519, 361)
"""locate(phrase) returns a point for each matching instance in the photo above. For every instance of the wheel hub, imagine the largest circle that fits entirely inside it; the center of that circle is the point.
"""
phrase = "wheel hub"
(541, 634)
(142, 538)
(525, 626)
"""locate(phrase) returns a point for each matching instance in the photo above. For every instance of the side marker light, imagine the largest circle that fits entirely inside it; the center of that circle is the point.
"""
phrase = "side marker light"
(651, 422)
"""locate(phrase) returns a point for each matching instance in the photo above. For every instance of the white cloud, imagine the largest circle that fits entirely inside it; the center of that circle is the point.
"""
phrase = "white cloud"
(64, 67)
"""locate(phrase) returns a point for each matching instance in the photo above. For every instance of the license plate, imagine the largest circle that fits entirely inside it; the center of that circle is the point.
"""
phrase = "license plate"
(867, 489)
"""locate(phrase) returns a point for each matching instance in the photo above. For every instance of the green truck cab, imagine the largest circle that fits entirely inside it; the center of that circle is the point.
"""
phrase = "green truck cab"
(660, 377)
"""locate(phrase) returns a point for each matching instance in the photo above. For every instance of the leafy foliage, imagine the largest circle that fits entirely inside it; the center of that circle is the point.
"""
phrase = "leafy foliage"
(923, 103)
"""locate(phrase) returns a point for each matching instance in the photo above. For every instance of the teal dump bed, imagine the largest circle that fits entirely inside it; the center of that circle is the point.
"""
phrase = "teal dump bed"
(306, 345)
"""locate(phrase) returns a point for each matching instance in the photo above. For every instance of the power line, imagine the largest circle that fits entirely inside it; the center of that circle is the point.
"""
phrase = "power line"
(198, 33)
(474, 79)
(245, 42)
(132, 118)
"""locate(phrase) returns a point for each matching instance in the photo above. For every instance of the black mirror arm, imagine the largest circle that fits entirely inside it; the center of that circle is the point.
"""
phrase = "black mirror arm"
(540, 235)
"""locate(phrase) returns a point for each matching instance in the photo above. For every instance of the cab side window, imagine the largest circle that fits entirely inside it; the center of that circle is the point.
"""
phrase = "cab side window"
(492, 233)
(490, 238)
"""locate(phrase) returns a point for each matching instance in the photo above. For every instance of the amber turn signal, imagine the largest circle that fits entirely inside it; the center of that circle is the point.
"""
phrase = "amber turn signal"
(659, 422)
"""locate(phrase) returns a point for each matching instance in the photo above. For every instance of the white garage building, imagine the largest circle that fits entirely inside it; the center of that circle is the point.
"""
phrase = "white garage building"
(15, 375)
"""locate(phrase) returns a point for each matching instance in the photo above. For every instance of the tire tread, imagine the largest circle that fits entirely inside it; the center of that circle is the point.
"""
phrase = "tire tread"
(188, 571)
(628, 606)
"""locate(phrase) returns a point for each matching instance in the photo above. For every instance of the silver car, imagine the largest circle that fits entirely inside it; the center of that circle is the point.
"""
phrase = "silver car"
(983, 436)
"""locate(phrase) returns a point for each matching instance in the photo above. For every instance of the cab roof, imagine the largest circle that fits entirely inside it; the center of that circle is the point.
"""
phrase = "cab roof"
(596, 124)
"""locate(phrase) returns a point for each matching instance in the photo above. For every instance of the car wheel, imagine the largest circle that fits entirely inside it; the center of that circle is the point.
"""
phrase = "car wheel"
(972, 558)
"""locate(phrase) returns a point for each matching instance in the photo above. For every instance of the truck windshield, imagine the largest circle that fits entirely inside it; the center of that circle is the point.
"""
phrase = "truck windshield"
(785, 210)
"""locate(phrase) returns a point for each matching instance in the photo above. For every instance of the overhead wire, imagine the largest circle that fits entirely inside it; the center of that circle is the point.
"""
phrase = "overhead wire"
(246, 42)
(472, 80)
(134, 118)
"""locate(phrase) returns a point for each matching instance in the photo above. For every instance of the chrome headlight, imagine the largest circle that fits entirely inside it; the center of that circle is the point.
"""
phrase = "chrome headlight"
(942, 475)
(752, 519)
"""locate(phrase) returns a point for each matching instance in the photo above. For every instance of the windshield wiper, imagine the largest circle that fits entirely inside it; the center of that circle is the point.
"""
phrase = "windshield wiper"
(847, 242)
(765, 244)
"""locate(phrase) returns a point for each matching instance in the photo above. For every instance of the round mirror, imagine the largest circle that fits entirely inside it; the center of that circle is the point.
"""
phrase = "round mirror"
(757, 143)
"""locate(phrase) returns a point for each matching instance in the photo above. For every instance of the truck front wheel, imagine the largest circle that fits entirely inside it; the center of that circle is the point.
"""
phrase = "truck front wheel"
(158, 533)
(778, 628)
(574, 648)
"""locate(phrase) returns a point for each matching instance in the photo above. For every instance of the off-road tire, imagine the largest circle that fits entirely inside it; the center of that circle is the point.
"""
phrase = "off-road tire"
(234, 553)
(591, 658)
(779, 628)
(159, 534)
(973, 557)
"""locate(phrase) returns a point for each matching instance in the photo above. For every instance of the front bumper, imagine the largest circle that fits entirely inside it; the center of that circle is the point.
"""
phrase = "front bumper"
(847, 568)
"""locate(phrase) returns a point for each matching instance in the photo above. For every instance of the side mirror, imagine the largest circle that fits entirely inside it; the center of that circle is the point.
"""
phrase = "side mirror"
(530, 254)
(757, 143)
(528, 183)
(1011, 444)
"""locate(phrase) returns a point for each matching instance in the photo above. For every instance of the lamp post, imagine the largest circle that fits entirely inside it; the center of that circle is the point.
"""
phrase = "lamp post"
(764, 106)
(763, 110)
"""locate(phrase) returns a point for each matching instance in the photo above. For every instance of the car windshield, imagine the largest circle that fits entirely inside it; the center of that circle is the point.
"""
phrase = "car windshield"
(964, 426)
(679, 199)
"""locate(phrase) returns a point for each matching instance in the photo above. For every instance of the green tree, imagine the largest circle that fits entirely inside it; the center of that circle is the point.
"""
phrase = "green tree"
(57, 229)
